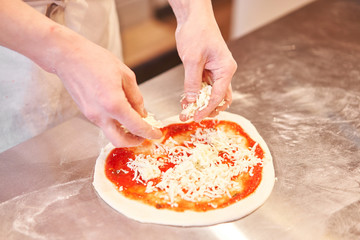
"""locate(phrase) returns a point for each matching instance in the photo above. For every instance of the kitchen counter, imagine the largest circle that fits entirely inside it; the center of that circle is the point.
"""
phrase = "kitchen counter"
(298, 81)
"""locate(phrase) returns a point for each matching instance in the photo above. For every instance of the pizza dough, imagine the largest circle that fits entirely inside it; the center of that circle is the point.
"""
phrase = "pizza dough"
(148, 214)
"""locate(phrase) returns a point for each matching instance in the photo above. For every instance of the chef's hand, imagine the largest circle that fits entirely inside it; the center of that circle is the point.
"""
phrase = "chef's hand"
(106, 91)
(204, 54)
(102, 86)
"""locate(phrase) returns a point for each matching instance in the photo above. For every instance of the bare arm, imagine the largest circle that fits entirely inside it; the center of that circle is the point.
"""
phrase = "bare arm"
(204, 54)
(102, 86)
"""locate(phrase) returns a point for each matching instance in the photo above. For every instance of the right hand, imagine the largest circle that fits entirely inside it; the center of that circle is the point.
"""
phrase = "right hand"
(102, 86)
(106, 91)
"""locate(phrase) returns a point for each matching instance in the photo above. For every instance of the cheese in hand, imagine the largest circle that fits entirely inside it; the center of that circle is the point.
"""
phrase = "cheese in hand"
(202, 101)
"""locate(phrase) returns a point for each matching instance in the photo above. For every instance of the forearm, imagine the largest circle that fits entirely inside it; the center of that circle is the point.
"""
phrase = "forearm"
(190, 9)
(103, 87)
(33, 35)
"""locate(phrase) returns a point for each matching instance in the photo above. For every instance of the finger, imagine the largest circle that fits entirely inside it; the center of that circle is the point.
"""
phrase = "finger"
(184, 105)
(184, 101)
(193, 80)
(132, 121)
(214, 113)
(227, 99)
(224, 105)
(192, 84)
(118, 136)
(183, 117)
(227, 103)
(132, 93)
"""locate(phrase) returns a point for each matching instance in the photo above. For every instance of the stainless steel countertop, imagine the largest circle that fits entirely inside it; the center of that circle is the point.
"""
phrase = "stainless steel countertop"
(298, 82)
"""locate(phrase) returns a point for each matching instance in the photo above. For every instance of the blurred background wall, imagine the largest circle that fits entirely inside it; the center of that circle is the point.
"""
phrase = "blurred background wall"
(249, 15)
(147, 28)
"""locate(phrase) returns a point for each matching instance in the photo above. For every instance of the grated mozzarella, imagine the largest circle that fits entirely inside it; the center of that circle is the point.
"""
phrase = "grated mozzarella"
(144, 167)
(202, 101)
(150, 119)
(200, 173)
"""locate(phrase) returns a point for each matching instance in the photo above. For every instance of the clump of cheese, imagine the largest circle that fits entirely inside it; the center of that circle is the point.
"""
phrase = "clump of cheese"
(202, 101)
(150, 119)
(200, 172)
(145, 166)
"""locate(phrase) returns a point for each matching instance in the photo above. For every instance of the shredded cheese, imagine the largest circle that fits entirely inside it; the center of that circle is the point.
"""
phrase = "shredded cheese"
(144, 167)
(202, 101)
(200, 171)
(150, 119)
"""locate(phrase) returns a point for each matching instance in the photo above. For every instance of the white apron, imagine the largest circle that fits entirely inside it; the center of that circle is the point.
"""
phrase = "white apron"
(33, 100)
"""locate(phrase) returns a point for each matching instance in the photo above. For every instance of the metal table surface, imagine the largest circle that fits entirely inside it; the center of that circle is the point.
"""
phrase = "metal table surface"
(298, 81)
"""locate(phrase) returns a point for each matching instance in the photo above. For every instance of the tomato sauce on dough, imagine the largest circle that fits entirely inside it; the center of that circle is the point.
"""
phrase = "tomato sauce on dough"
(118, 172)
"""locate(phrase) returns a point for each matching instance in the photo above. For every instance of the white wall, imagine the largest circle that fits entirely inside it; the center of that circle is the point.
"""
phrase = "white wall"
(248, 15)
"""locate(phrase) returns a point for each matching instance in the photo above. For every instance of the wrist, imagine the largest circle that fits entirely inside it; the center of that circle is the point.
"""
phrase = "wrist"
(185, 10)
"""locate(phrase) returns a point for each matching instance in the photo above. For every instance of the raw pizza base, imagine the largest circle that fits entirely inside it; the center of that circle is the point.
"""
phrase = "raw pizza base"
(148, 214)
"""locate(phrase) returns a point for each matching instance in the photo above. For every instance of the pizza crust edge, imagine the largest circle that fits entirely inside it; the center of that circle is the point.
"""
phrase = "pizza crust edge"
(148, 214)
